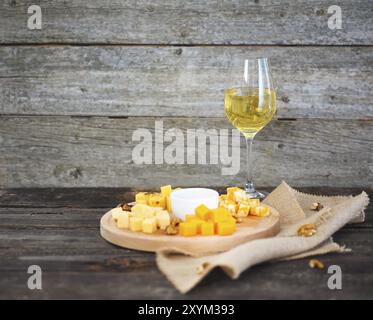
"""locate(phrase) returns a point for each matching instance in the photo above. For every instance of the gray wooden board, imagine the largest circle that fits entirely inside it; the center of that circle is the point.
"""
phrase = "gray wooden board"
(64, 151)
(121, 277)
(63, 238)
(187, 22)
(311, 82)
(98, 200)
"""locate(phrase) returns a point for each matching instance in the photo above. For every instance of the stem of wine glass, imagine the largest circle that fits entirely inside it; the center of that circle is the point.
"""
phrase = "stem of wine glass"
(249, 187)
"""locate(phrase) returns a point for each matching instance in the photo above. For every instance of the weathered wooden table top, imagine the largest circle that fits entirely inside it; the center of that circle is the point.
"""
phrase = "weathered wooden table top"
(58, 229)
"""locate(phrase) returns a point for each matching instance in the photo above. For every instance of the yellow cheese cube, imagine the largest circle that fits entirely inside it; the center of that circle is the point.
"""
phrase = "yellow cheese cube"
(139, 208)
(142, 197)
(143, 211)
(149, 225)
(135, 224)
(202, 212)
(240, 195)
(166, 190)
(219, 214)
(149, 214)
(243, 210)
(260, 211)
(116, 212)
(254, 202)
(187, 229)
(223, 197)
(231, 191)
(225, 228)
(168, 204)
(163, 219)
(123, 220)
(236, 194)
(168, 201)
(207, 228)
(157, 209)
(265, 211)
(230, 206)
(255, 211)
(157, 200)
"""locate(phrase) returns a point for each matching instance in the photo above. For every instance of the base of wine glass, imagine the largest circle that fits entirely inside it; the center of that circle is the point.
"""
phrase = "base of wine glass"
(252, 193)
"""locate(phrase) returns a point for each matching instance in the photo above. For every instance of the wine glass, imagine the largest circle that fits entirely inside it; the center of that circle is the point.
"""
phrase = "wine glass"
(250, 104)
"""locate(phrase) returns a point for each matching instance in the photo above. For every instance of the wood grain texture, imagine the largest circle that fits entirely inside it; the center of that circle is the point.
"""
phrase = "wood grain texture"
(122, 277)
(63, 238)
(66, 203)
(188, 22)
(65, 151)
(311, 82)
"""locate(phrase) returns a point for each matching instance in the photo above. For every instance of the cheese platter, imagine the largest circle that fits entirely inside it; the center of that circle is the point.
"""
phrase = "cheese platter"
(160, 221)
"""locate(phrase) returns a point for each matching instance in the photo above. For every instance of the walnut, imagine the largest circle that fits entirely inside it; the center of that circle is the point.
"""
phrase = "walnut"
(316, 206)
(175, 221)
(314, 263)
(171, 230)
(238, 219)
(126, 206)
(307, 230)
(202, 268)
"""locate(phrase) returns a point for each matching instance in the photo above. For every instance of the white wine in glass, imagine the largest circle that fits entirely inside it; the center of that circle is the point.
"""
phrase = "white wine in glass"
(250, 104)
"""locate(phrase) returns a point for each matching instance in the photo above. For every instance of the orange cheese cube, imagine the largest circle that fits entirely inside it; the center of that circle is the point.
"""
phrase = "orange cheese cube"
(231, 220)
(219, 214)
(194, 219)
(207, 228)
(190, 217)
(202, 212)
(188, 229)
(225, 228)
(198, 222)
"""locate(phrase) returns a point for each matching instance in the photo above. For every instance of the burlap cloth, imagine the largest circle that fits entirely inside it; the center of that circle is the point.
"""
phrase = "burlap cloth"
(185, 272)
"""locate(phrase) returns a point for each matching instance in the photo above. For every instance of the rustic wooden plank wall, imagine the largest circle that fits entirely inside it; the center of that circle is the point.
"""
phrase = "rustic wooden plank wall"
(72, 94)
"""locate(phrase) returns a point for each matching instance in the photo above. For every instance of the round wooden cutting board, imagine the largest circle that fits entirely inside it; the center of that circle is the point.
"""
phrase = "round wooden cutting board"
(251, 228)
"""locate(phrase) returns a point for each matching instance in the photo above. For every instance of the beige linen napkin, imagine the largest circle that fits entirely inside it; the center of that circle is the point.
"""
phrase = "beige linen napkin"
(185, 272)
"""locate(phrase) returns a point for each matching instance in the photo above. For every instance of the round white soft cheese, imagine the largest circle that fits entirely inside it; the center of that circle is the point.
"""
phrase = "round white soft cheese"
(184, 201)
